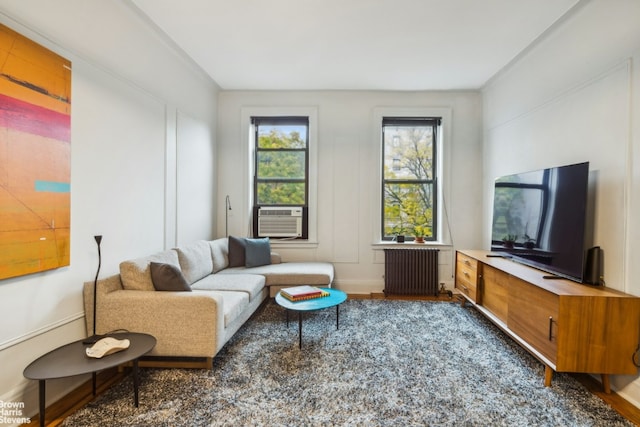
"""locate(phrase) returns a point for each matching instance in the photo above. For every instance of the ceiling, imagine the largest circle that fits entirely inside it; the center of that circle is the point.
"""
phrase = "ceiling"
(353, 44)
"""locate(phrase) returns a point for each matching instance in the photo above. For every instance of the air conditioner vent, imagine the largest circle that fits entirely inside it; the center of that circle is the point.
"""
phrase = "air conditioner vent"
(280, 222)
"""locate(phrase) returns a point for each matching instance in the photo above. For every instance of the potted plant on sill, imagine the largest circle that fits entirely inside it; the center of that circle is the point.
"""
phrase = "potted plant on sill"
(419, 232)
(509, 240)
(529, 243)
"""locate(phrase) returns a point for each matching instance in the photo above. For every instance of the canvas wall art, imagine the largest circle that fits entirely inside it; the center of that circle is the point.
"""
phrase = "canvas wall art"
(35, 156)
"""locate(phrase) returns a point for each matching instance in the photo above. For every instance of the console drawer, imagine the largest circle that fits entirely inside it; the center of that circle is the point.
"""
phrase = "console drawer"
(467, 276)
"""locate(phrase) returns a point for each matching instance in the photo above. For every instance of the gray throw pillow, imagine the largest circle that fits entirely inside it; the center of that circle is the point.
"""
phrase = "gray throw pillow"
(236, 251)
(167, 277)
(258, 252)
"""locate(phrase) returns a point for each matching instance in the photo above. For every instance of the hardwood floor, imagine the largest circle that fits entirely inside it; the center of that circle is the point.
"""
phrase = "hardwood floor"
(79, 397)
(613, 399)
(76, 399)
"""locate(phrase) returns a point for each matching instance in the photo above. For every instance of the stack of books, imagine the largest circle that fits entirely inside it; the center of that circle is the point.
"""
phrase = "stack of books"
(301, 293)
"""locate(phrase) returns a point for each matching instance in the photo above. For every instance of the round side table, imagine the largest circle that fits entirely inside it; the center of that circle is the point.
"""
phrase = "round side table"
(335, 298)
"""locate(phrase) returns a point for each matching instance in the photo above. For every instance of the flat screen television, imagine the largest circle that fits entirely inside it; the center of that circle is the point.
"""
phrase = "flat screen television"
(540, 219)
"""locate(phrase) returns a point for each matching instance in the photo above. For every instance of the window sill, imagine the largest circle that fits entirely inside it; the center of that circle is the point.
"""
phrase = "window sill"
(381, 245)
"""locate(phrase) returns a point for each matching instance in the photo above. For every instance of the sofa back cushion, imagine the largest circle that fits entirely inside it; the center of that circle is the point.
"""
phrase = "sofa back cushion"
(167, 277)
(195, 260)
(136, 273)
(257, 252)
(237, 251)
(219, 253)
(248, 252)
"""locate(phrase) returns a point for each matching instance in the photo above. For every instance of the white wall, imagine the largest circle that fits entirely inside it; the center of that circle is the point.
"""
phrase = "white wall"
(143, 119)
(574, 97)
(348, 174)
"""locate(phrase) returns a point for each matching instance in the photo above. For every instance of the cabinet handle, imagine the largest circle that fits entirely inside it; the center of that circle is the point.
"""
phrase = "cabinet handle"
(550, 327)
(466, 261)
(466, 274)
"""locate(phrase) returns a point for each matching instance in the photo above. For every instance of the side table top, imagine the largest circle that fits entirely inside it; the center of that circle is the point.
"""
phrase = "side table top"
(334, 298)
(71, 359)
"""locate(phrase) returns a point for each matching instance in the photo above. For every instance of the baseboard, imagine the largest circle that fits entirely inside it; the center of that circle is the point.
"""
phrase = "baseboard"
(359, 286)
(629, 392)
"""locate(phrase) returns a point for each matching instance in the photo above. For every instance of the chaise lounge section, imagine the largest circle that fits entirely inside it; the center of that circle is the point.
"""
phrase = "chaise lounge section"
(190, 298)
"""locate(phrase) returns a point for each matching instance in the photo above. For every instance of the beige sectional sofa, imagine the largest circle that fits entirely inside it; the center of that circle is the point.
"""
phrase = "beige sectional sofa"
(217, 299)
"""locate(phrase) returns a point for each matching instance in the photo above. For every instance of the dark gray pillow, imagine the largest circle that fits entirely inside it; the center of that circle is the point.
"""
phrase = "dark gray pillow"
(236, 251)
(258, 252)
(167, 277)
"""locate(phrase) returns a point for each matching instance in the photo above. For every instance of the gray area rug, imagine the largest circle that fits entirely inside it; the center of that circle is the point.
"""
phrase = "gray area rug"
(391, 363)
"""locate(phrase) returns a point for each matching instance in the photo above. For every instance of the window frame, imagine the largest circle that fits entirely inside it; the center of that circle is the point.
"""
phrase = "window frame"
(444, 236)
(434, 123)
(256, 121)
(246, 210)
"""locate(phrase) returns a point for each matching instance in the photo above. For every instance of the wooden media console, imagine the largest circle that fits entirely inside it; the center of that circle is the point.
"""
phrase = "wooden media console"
(568, 326)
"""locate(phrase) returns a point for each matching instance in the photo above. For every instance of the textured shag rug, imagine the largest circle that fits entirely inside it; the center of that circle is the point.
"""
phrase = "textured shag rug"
(391, 363)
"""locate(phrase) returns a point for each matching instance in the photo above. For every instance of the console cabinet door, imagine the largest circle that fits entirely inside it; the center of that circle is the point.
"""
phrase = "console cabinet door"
(495, 291)
(533, 315)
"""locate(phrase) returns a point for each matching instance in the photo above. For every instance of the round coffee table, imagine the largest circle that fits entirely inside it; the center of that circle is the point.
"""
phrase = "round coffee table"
(335, 298)
(71, 359)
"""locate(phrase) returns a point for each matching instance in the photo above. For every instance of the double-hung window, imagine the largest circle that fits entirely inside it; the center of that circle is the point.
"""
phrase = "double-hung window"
(409, 184)
(281, 175)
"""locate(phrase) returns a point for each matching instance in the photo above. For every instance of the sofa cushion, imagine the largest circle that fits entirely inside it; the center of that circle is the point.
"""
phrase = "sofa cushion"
(136, 274)
(275, 258)
(233, 304)
(257, 252)
(252, 284)
(219, 253)
(290, 273)
(236, 251)
(167, 277)
(195, 260)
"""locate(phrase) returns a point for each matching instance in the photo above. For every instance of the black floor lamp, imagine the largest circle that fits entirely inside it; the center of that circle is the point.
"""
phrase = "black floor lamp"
(92, 339)
(227, 205)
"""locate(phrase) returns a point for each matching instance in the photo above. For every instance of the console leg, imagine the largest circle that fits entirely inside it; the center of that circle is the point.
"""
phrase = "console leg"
(548, 376)
(606, 384)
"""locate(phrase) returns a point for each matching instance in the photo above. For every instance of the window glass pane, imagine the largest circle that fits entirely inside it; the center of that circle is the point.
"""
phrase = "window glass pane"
(408, 209)
(282, 136)
(408, 152)
(281, 164)
(281, 193)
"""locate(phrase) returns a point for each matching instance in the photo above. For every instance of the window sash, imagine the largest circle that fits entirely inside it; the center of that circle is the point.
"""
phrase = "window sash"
(403, 210)
(265, 180)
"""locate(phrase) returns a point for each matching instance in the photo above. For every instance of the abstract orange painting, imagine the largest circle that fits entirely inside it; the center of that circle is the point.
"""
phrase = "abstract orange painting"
(35, 156)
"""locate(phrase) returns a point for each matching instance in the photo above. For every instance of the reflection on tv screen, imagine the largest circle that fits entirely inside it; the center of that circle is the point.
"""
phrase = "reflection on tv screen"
(539, 218)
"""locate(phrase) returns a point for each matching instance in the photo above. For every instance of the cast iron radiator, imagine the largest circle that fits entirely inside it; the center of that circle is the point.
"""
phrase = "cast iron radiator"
(411, 271)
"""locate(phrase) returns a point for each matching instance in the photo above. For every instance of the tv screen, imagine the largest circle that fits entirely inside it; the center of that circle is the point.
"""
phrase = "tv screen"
(539, 219)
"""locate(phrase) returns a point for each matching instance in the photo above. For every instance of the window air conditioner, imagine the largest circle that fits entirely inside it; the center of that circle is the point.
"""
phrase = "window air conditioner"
(280, 221)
